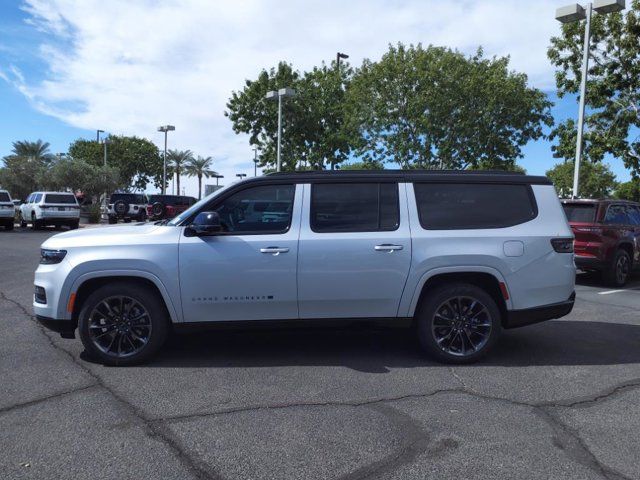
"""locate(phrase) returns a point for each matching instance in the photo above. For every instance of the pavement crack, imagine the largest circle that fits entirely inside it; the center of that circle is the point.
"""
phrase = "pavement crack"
(153, 430)
(588, 401)
(46, 399)
(569, 441)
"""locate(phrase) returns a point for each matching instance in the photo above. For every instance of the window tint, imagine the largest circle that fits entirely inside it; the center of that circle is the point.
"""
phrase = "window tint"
(131, 198)
(37, 198)
(576, 212)
(59, 198)
(447, 206)
(4, 197)
(348, 207)
(634, 215)
(616, 215)
(263, 209)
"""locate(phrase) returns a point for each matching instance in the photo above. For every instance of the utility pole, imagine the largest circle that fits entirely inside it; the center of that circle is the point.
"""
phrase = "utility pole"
(255, 162)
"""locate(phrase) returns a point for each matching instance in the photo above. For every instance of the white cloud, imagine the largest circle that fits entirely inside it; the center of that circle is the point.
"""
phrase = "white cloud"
(128, 66)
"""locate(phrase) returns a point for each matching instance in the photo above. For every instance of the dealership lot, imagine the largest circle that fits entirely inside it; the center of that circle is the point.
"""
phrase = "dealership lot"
(555, 400)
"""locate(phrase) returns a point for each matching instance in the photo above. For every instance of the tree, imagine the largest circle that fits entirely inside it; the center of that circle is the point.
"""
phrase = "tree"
(370, 165)
(199, 167)
(79, 176)
(24, 166)
(613, 86)
(315, 132)
(177, 159)
(37, 150)
(596, 180)
(629, 190)
(436, 108)
(137, 160)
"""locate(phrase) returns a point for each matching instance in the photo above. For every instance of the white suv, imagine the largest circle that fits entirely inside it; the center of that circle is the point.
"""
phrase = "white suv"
(461, 255)
(7, 210)
(50, 208)
(127, 207)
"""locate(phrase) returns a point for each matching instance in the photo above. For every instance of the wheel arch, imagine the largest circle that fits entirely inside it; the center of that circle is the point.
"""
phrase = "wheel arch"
(88, 283)
(486, 278)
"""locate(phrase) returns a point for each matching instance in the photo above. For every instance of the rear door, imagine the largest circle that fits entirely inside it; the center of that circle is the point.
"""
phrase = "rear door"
(355, 250)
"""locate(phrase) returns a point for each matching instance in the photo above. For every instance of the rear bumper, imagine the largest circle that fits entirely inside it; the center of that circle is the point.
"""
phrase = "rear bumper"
(588, 262)
(66, 328)
(528, 316)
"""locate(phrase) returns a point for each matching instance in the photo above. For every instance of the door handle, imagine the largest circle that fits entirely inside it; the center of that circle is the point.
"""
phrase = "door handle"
(387, 247)
(274, 250)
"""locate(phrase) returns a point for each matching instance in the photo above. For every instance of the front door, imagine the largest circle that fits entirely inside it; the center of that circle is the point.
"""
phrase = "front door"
(355, 250)
(248, 271)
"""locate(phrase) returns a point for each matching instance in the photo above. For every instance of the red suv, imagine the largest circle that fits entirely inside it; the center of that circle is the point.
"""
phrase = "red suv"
(607, 237)
(167, 206)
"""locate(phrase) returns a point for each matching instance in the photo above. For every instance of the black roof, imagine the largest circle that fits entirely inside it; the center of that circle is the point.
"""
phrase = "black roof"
(430, 176)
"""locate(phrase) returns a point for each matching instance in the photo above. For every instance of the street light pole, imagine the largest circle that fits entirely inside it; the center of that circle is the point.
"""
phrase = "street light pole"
(166, 129)
(98, 132)
(255, 162)
(573, 13)
(280, 94)
(241, 175)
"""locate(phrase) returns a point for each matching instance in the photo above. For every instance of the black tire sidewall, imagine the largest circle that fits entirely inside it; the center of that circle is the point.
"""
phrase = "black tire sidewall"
(149, 299)
(426, 311)
(611, 277)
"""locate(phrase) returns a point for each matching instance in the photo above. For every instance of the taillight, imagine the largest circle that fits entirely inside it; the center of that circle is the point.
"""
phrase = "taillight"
(562, 245)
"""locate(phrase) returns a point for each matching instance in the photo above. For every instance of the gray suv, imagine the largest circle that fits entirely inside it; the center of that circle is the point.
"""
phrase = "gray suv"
(461, 255)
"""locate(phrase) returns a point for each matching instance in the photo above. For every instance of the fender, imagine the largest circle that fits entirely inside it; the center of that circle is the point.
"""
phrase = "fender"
(408, 304)
(66, 291)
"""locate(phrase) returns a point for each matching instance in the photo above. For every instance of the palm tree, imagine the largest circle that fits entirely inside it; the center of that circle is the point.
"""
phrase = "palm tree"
(199, 167)
(38, 150)
(177, 160)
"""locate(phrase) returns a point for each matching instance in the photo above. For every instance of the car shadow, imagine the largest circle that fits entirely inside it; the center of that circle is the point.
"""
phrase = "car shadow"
(594, 279)
(378, 350)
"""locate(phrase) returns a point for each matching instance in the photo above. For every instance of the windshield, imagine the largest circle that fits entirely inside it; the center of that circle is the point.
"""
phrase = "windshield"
(190, 211)
(580, 212)
(60, 198)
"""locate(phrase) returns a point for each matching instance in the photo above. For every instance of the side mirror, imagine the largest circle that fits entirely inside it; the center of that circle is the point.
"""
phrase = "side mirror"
(205, 223)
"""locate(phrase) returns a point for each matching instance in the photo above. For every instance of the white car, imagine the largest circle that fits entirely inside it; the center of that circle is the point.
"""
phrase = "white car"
(7, 210)
(461, 255)
(127, 207)
(50, 208)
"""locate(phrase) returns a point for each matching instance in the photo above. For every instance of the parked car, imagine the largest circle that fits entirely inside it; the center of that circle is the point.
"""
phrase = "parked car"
(607, 236)
(168, 206)
(7, 210)
(127, 207)
(462, 255)
(50, 208)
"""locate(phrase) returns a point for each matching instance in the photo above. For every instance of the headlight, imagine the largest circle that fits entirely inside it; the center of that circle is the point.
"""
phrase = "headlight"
(50, 257)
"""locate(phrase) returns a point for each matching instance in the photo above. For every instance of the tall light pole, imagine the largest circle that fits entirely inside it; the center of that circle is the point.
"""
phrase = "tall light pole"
(340, 55)
(165, 129)
(98, 132)
(218, 177)
(279, 95)
(255, 162)
(105, 208)
(575, 13)
(241, 175)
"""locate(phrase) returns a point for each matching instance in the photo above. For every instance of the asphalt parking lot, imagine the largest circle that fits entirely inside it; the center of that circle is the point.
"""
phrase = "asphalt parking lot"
(557, 400)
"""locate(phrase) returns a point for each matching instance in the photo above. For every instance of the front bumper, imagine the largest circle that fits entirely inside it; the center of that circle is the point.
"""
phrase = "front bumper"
(66, 328)
(528, 316)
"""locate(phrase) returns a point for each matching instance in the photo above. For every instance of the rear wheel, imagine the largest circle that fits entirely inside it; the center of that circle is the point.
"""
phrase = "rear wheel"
(23, 224)
(74, 225)
(35, 223)
(458, 323)
(123, 324)
(112, 220)
(617, 274)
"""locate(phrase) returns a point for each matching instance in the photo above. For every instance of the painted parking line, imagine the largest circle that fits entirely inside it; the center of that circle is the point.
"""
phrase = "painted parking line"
(609, 292)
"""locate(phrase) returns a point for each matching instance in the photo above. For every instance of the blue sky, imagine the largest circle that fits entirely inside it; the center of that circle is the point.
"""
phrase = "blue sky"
(68, 67)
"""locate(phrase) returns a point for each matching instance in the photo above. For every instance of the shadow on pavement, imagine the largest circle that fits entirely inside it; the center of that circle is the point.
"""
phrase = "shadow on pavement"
(377, 350)
(594, 279)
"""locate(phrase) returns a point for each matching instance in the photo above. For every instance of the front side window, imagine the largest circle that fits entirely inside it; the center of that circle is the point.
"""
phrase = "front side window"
(359, 207)
(257, 210)
(456, 206)
(37, 197)
(616, 215)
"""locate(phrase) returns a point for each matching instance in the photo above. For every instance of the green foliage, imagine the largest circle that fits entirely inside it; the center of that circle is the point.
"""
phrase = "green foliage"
(37, 150)
(613, 86)
(199, 167)
(596, 179)
(176, 161)
(629, 190)
(95, 212)
(137, 160)
(365, 165)
(436, 108)
(24, 166)
(79, 176)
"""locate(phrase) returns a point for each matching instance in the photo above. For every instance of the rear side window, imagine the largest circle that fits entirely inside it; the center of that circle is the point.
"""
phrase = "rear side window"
(455, 206)
(580, 212)
(4, 197)
(359, 207)
(616, 215)
(59, 198)
(634, 215)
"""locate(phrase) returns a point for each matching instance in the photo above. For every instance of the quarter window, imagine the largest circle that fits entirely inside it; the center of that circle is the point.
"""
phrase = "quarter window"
(455, 206)
(359, 207)
(257, 210)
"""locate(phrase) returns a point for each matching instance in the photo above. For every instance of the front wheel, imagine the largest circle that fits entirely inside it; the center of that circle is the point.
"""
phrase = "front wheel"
(458, 323)
(123, 324)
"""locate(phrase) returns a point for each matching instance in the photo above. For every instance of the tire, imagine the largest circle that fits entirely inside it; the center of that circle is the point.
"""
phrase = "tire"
(112, 220)
(23, 224)
(74, 225)
(618, 272)
(453, 341)
(127, 220)
(142, 217)
(121, 207)
(8, 226)
(35, 224)
(158, 210)
(93, 314)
